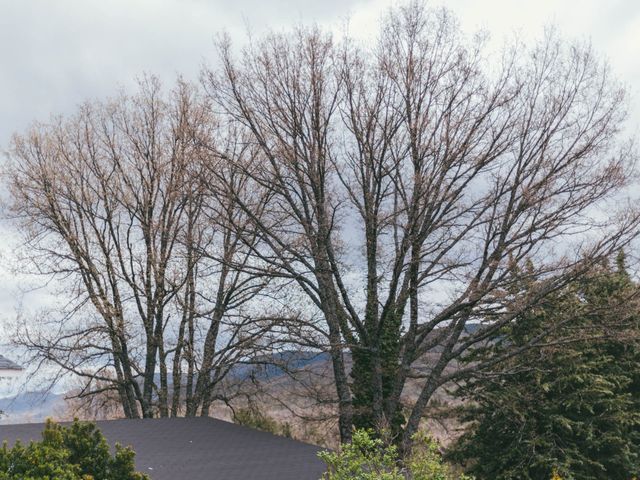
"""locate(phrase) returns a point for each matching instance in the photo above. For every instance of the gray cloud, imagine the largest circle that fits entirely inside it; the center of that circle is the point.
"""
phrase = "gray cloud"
(58, 53)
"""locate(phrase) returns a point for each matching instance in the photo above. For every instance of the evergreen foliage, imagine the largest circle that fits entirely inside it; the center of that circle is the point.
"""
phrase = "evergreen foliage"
(571, 408)
(77, 452)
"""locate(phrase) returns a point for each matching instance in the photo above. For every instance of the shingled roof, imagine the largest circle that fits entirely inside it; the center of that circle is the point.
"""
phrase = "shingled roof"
(6, 364)
(201, 449)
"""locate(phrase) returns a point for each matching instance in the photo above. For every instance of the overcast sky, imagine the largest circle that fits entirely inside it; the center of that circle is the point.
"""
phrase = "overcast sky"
(57, 53)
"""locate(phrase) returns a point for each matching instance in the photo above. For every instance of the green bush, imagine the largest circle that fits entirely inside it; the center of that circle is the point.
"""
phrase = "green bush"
(369, 458)
(77, 452)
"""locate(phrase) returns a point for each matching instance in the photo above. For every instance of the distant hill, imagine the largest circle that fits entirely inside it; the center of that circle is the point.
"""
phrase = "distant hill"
(35, 407)
(278, 364)
(30, 407)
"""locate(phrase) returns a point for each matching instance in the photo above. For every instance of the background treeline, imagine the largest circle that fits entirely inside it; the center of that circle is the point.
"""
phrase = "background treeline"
(401, 207)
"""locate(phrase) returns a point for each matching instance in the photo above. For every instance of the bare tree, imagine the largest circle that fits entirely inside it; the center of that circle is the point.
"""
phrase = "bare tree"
(112, 205)
(394, 186)
(416, 171)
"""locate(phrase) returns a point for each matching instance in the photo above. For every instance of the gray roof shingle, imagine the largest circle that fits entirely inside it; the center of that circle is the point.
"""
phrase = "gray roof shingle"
(6, 364)
(201, 449)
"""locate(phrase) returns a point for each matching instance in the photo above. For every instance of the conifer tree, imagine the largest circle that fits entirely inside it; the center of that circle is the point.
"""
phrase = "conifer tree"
(572, 406)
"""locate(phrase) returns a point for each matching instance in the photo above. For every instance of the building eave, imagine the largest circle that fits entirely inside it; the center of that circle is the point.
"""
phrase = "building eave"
(10, 372)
